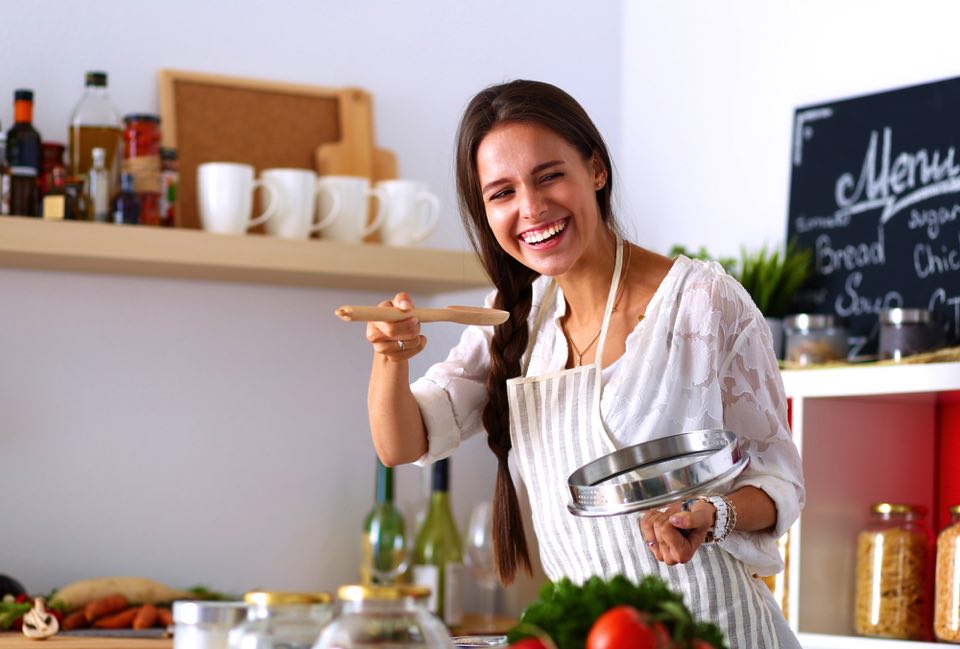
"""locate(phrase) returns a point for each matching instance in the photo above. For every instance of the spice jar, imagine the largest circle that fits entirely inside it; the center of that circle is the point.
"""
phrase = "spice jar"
(284, 620)
(892, 598)
(388, 616)
(904, 332)
(141, 157)
(946, 618)
(814, 338)
(205, 625)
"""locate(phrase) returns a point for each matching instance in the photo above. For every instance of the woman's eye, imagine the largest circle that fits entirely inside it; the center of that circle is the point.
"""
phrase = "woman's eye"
(500, 194)
(550, 177)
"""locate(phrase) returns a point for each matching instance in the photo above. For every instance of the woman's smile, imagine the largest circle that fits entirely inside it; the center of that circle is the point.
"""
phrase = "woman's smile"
(543, 237)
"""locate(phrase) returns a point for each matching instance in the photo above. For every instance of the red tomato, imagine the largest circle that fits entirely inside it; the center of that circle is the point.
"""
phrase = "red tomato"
(661, 636)
(701, 644)
(621, 627)
(528, 643)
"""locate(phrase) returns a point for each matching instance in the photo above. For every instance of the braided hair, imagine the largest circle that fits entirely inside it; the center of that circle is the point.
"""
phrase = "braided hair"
(546, 105)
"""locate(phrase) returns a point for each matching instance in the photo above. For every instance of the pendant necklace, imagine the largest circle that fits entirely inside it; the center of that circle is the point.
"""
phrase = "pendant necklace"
(579, 353)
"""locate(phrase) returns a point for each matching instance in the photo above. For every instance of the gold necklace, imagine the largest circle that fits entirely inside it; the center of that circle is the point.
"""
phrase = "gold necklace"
(579, 354)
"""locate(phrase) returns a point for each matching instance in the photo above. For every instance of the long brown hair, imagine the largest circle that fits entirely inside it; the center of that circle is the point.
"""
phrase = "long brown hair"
(548, 106)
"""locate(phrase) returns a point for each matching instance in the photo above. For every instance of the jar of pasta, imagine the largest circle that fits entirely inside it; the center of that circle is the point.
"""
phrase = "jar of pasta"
(892, 589)
(946, 618)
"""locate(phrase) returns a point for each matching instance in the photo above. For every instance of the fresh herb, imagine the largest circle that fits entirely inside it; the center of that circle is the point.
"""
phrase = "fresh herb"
(10, 612)
(565, 611)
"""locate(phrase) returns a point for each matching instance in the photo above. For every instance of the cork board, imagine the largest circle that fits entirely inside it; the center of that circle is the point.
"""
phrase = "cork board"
(262, 123)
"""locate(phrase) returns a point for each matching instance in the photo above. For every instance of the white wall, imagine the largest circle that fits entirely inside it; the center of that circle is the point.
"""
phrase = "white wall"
(213, 433)
(708, 96)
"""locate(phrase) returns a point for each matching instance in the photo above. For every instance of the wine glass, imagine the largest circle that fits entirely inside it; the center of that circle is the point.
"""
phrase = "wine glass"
(386, 552)
(480, 559)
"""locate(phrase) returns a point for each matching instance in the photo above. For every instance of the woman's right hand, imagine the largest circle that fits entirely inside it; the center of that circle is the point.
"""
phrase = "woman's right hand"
(397, 341)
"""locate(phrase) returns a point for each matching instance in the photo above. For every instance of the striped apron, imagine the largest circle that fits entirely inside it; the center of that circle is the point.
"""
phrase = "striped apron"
(556, 427)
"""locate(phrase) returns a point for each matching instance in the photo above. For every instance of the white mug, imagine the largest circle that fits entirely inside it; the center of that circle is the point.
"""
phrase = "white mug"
(412, 212)
(350, 222)
(226, 197)
(295, 214)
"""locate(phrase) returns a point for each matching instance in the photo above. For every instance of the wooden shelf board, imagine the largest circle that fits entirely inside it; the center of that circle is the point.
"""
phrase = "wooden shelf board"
(183, 253)
(823, 641)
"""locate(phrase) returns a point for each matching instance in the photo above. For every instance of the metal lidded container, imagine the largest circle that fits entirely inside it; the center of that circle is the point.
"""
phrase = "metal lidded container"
(814, 338)
(656, 473)
(904, 332)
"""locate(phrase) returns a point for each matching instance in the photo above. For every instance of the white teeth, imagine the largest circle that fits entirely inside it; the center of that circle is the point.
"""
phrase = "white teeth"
(539, 235)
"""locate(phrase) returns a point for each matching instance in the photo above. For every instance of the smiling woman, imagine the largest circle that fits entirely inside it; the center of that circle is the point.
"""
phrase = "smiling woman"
(607, 345)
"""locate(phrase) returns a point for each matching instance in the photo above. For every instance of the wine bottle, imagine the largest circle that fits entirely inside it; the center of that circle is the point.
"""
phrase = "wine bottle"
(438, 552)
(384, 557)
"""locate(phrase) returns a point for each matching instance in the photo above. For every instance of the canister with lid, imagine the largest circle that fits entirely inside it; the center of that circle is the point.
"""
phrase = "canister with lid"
(814, 338)
(205, 625)
(946, 618)
(904, 332)
(287, 620)
(390, 616)
(892, 586)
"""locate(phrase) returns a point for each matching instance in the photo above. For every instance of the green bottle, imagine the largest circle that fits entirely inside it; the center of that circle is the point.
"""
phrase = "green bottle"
(438, 552)
(384, 556)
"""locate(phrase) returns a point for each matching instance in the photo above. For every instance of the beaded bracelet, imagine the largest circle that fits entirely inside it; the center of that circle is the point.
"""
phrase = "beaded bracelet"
(726, 518)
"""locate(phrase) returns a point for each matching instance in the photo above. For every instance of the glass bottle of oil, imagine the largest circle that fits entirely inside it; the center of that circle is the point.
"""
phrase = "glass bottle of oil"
(95, 122)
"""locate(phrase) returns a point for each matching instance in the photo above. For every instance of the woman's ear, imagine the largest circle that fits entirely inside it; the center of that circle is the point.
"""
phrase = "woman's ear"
(599, 172)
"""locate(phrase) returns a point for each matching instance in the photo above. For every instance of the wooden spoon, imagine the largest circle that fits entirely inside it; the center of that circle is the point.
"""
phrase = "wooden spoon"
(468, 315)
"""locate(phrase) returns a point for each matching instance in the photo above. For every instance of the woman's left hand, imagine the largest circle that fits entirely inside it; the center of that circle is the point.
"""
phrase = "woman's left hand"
(661, 531)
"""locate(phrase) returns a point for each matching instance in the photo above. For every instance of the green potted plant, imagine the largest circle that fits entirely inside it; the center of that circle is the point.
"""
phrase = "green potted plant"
(772, 278)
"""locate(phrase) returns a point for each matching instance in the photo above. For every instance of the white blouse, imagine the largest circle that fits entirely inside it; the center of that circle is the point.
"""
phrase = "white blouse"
(702, 357)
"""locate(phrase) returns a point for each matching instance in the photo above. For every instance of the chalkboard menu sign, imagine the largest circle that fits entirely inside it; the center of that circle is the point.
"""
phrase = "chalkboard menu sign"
(875, 193)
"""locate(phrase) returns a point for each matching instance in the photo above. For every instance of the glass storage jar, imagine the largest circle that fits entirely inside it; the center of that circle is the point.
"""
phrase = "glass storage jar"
(814, 338)
(904, 332)
(892, 588)
(384, 616)
(946, 618)
(205, 625)
(284, 620)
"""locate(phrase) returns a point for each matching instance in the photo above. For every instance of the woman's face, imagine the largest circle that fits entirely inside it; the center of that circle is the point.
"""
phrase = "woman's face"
(540, 196)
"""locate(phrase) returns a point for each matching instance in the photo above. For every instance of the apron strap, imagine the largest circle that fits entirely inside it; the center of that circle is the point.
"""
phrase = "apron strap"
(598, 362)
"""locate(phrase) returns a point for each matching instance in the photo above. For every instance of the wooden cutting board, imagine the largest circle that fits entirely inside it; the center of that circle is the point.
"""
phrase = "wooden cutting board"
(12, 640)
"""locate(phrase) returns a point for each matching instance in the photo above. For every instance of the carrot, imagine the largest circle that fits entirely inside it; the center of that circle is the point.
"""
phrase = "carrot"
(164, 617)
(121, 620)
(76, 620)
(146, 617)
(105, 606)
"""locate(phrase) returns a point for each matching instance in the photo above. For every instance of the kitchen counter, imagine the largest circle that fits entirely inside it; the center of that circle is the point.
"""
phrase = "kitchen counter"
(13, 640)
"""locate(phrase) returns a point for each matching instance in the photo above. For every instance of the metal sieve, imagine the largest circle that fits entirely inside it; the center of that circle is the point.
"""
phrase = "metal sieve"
(656, 473)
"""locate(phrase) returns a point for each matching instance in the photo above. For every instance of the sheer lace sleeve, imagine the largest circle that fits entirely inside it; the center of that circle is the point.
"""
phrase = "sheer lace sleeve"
(755, 406)
(452, 393)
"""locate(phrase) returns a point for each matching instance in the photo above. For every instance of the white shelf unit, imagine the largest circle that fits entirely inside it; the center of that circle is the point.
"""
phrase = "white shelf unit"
(866, 435)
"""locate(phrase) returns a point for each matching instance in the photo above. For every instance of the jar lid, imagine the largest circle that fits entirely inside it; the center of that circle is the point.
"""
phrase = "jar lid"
(284, 598)
(809, 321)
(142, 117)
(356, 593)
(897, 508)
(201, 612)
(905, 316)
(96, 78)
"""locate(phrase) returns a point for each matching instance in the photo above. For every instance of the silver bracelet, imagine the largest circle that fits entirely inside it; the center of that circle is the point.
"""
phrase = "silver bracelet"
(726, 518)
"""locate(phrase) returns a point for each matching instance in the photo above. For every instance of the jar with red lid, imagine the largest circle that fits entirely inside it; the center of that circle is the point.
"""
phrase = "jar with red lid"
(141, 158)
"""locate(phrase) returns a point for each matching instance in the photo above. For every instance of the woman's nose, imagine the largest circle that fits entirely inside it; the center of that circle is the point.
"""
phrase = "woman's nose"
(532, 204)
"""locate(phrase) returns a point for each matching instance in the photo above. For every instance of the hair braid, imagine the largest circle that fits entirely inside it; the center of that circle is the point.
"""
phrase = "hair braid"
(506, 350)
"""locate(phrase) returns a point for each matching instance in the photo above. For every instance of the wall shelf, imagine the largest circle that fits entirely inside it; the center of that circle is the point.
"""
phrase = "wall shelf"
(183, 253)
(867, 434)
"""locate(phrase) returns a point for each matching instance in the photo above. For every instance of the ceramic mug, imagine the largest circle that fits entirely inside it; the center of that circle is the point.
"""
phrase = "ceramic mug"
(295, 217)
(412, 212)
(226, 197)
(350, 222)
